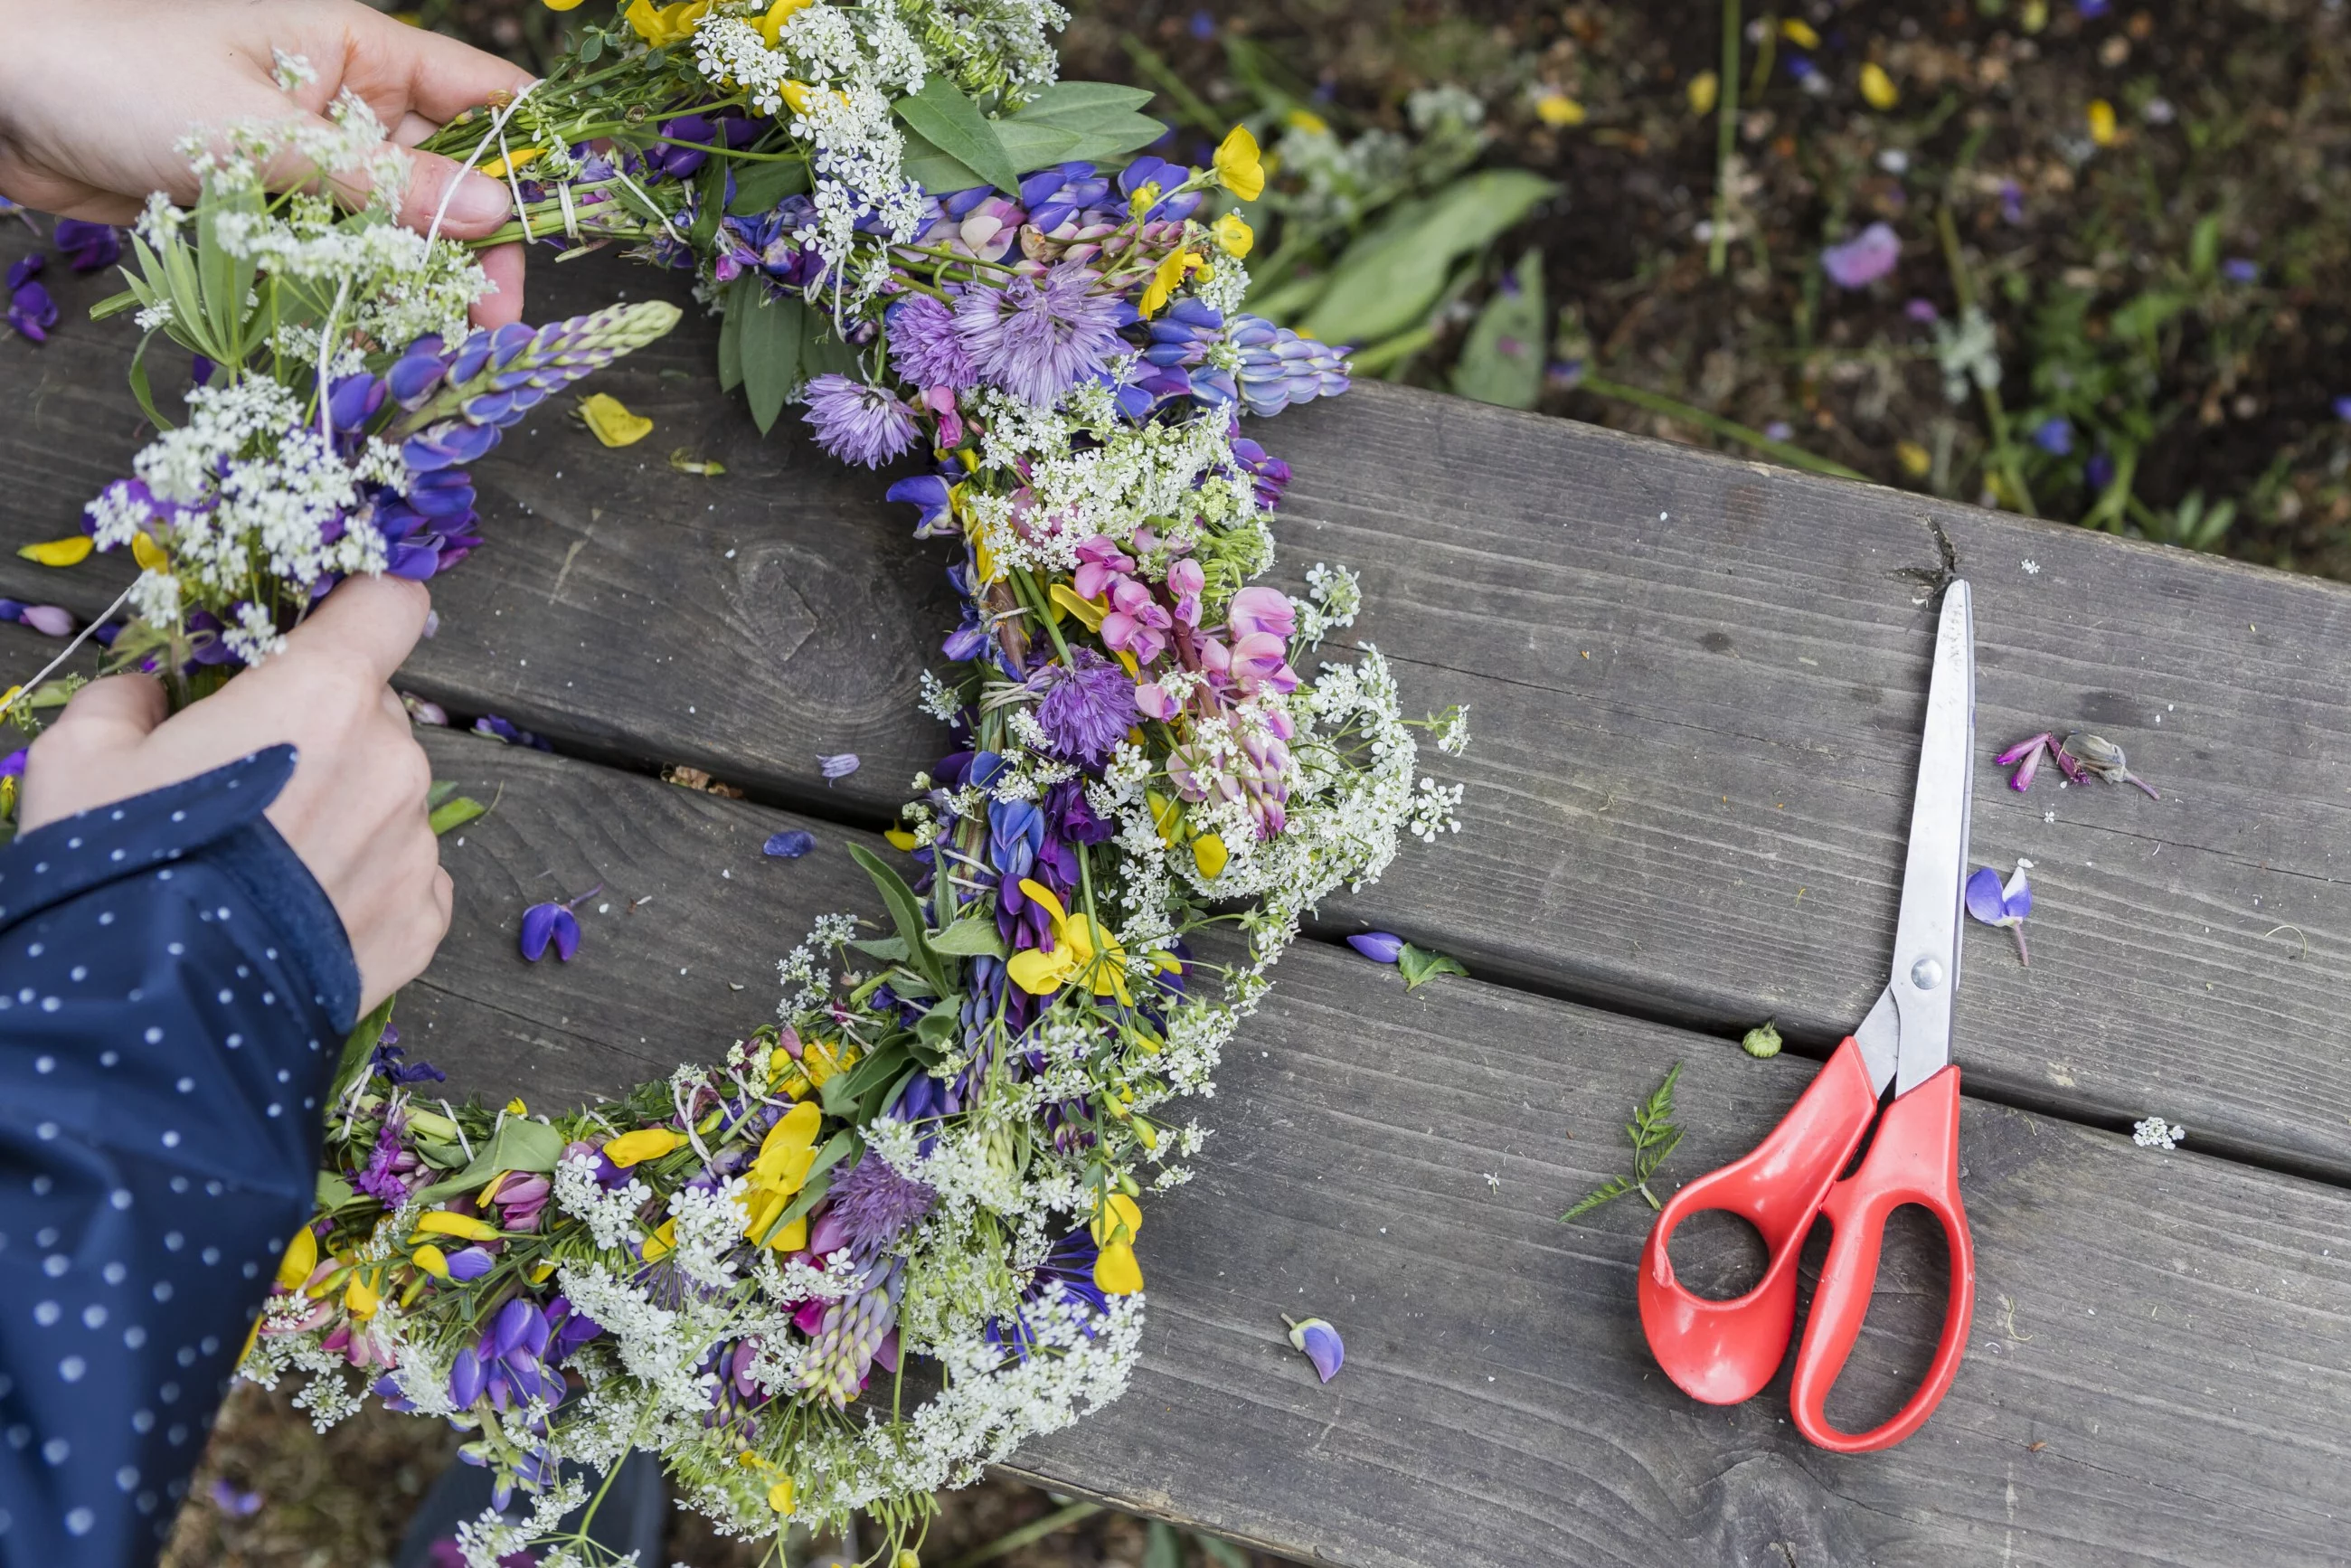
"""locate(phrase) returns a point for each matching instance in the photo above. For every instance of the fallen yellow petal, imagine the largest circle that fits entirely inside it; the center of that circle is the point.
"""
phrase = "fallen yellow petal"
(900, 839)
(1914, 458)
(1878, 88)
(2102, 122)
(147, 552)
(1704, 89)
(1799, 32)
(70, 551)
(609, 421)
(1558, 109)
(647, 1144)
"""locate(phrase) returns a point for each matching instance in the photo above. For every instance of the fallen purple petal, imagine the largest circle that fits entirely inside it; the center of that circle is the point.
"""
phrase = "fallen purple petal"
(1321, 1343)
(841, 765)
(539, 929)
(1862, 260)
(51, 620)
(789, 844)
(1379, 947)
(567, 934)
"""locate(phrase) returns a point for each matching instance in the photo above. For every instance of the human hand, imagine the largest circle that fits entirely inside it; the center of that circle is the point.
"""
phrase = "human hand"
(94, 95)
(355, 809)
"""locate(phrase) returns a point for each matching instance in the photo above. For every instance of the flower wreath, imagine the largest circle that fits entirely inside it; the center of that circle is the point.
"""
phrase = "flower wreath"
(940, 1148)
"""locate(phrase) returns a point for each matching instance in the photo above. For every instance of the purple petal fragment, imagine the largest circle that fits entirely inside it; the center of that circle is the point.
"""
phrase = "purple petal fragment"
(1862, 260)
(841, 765)
(469, 1263)
(539, 929)
(1985, 900)
(465, 1379)
(789, 844)
(1321, 1346)
(567, 934)
(1379, 947)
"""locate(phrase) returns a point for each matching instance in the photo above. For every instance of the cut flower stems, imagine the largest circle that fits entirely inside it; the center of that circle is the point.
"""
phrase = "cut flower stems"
(942, 1150)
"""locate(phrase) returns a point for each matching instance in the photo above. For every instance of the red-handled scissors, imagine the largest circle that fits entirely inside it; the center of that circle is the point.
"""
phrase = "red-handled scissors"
(1723, 1351)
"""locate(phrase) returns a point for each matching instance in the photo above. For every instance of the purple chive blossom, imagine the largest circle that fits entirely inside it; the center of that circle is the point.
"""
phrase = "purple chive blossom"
(841, 765)
(789, 844)
(1038, 340)
(926, 345)
(2055, 435)
(1995, 905)
(1087, 708)
(553, 923)
(87, 246)
(1379, 947)
(859, 423)
(2026, 756)
(1321, 1343)
(1862, 260)
(871, 1204)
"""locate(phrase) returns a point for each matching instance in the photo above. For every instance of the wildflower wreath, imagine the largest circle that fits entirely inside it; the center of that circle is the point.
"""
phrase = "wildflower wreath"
(940, 1149)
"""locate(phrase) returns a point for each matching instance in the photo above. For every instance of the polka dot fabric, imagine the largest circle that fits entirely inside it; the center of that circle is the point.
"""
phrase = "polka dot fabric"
(174, 987)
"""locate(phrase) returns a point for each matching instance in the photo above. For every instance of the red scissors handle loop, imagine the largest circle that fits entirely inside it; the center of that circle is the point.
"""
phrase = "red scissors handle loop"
(1723, 1351)
(1915, 1159)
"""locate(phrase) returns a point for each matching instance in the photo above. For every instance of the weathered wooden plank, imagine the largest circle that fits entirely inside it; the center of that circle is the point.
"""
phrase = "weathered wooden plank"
(2171, 1328)
(1700, 819)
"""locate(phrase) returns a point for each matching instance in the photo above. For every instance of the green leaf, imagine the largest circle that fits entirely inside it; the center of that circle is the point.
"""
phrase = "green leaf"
(730, 333)
(1503, 358)
(889, 949)
(1162, 1547)
(941, 1024)
(2204, 246)
(357, 1046)
(843, 1091)
(906, 912)
(519, 1145)
(1763, 1041)
(770, 347)
(822, 351)
(933, 169)
(953, 124)
(1653, 1136)
(1419, 965)
(761, 187)
(1083, 105)
(706, 211)
(455, 813)
(969, 937)
(333, 1192)
(1391, 277)
(1032, 147)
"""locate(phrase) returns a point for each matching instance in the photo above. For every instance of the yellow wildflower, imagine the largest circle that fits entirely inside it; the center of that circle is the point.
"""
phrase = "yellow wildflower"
(1556, 108)
(1914, 458)
(662, 1242)
(465, 1227)
(1116, 1273)
(665, 25)
(2102, 122)
(147, 552)
(1704, 89)
(1238, 165)
(1164, 279)
(70, 551)
(1233, 236)
(900, 839)
(360, 1298)
(561, 4)
(780, 1496)
(1089, 611)
(772, 25)
(300, 1258)
(780, 1171)
(648, 1144)
(1208, 853)
(1081, 949)
(1307, 121)
(1878, 88)
(1146, 197)
(432, 1260)
(522, 158)
(1800, 33)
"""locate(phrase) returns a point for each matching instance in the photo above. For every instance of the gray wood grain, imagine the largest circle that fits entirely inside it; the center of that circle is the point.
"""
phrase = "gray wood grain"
(1694, 730)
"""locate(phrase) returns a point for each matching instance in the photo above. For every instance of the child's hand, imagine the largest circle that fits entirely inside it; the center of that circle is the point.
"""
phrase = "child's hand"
(354, 810)
(94, 96)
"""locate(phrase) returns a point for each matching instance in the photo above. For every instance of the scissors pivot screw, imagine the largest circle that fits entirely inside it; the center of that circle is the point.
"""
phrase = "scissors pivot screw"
(1927, 974)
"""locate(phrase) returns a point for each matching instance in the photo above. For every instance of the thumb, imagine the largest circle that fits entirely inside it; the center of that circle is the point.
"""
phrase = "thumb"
(113, 714)
(465, 204)
(86, 758)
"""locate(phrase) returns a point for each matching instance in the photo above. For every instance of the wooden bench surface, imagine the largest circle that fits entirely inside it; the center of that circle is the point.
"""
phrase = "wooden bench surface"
(1696, 688)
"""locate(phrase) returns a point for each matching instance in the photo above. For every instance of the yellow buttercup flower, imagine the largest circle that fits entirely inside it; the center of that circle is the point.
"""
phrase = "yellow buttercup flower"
(70, 551)
(1164, 279)
(301, 1257)
(1233, 236)
(1240, 166)
(635, 1149)
(1081, 949)
(665, 25)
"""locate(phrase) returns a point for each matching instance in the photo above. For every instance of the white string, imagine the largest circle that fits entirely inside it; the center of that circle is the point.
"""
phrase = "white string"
(622, 175)
(570, 218)
(326, 350)
(498, 128)
(514, 184)
(47, 670)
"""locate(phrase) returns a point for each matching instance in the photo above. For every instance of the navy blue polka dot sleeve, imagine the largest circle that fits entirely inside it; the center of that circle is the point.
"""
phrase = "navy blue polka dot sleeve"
(174, 986)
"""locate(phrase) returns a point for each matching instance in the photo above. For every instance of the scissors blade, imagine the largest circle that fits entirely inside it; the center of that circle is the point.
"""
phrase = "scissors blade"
(1934, 877)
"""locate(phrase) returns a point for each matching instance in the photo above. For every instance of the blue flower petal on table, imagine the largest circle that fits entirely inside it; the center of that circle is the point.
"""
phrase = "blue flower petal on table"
(789, 844)
(1321, 1343)
(1379, 947)
(839, 766)
(546, 923)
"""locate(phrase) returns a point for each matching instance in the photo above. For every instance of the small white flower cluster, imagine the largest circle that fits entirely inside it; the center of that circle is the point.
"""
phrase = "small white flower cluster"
(2155, 1132)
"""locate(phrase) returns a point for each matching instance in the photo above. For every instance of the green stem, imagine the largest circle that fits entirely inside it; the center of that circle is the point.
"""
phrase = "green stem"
(1963, 289)
(1732, 430)
(1190, 104)
(1042, 608)
(1035, 1530)
(1725, 140)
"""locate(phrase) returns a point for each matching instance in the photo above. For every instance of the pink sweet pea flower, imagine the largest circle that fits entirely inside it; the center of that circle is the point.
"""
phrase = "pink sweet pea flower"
(1262, 609)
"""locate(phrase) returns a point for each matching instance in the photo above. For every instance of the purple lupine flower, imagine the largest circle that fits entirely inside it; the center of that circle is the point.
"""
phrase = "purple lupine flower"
(931, 493)
(12, 764)
(789, 844)
(87, 246)
(446, 445)
(1995, 905)
(550, 922)
(466, 1378)
(1321, 1343)
(1039, 338)
(1862, 260)
(2026, 756)
(1379, 947)
(926, 345)
(2055, 435)
(1087, 707)
(1269, 473)
(470, 1263)
(856, 422)
(2011, 202)
(871, 1205)
(1280, 367)
(491, 724)
(839, 765)
(30, 310)
(385, 1062)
